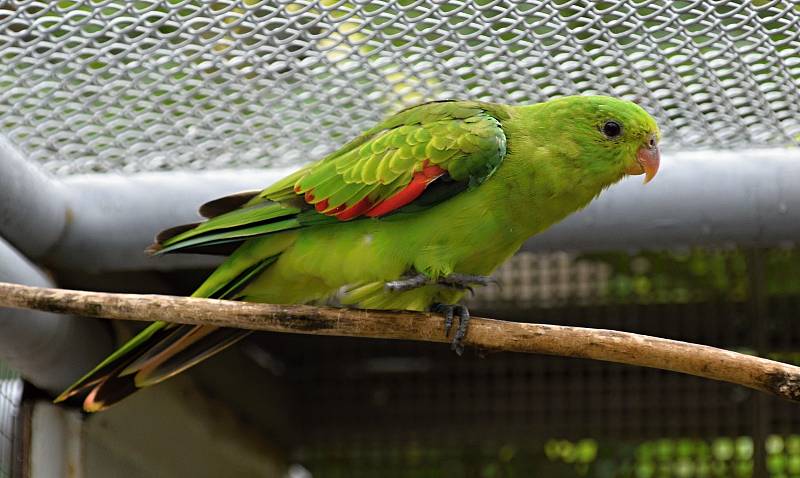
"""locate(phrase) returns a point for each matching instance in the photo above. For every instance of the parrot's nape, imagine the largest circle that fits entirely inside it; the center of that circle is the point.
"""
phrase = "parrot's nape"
(409, 215)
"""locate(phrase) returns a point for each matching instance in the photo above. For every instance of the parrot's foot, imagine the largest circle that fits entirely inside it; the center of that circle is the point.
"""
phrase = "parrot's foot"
(450, 311)
(453, 281)
(465, 281)
(408, 283)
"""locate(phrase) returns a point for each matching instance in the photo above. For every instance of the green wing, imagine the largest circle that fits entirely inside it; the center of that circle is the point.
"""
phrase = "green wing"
(391, 165)
(451, 145)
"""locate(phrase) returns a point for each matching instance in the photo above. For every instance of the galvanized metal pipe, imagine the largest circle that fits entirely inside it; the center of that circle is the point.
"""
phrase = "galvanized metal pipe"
(116, 217)
(33, 213)
(699, 198)
(49, 350)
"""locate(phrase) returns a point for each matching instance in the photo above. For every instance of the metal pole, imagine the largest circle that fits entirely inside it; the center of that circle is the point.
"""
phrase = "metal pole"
(700, 198)
(33, 214)
(744, 197)
(116, 217)
(49, 350)
(759, 318)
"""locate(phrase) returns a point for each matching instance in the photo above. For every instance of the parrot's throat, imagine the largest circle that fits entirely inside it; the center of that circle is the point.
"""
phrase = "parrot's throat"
(538, 198)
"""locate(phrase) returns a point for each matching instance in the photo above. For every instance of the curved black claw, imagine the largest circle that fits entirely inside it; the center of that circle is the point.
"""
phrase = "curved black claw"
(450, 311)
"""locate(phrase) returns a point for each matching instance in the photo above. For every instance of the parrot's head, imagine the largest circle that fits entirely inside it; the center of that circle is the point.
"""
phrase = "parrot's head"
(612, 138)
(628, 132)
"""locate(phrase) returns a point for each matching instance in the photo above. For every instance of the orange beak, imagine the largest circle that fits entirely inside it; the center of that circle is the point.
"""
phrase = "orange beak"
(647, 160)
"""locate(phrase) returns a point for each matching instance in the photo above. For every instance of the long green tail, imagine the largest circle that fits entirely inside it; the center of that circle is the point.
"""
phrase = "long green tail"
(163, 350)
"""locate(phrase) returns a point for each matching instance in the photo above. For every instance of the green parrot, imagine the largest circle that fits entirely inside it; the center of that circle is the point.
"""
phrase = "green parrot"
(409, 215)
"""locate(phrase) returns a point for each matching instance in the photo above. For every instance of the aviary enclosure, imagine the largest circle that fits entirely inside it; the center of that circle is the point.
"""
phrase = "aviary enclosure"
(119, 118)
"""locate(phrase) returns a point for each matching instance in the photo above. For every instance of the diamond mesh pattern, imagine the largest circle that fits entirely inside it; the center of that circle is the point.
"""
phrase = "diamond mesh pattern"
(113, 85)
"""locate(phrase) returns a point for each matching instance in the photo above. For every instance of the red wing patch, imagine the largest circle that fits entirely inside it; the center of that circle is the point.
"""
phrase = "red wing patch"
(355, 210)
(418, 183)
(412, 191)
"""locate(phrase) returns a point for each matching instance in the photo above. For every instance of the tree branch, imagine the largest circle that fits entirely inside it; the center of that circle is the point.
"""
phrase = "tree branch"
(768, 376)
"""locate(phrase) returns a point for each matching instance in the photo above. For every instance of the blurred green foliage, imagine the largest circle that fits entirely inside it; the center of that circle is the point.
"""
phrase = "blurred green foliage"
(695, 275)
(722, 457)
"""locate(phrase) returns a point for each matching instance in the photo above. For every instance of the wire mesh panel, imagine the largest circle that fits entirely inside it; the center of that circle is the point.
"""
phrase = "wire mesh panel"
(408, 409)
(88, 85)
(10, 396)
(113, 85)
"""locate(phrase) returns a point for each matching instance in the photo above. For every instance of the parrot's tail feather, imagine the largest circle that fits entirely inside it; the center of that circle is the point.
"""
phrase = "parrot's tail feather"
(124, 387)
(191, 355)
(163, 350)
(226, 204)
(120, 358)
(185, 347)
(156, 348)
(233, 287)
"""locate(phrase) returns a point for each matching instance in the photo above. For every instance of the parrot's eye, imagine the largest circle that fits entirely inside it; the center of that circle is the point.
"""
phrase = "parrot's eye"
(612, 129)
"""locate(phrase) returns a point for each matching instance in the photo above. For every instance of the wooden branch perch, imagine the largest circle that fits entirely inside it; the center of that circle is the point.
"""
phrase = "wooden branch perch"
(769, 376)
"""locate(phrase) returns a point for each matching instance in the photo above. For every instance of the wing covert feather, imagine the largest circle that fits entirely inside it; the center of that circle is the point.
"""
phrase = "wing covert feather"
(390, 165)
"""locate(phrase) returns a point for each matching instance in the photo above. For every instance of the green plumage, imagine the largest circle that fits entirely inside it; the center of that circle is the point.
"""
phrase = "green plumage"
(484, 178)
(464, 138)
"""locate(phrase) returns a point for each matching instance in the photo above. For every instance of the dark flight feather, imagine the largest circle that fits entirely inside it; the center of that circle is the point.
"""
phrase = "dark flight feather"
(226, 204)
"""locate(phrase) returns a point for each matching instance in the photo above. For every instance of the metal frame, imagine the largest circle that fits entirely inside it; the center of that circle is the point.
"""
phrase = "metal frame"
(747, 197)
(49, 350)
(103, 222)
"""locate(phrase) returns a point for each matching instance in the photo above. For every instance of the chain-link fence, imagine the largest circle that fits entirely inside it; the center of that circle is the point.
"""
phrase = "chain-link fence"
(408, 409)
(116, 85)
